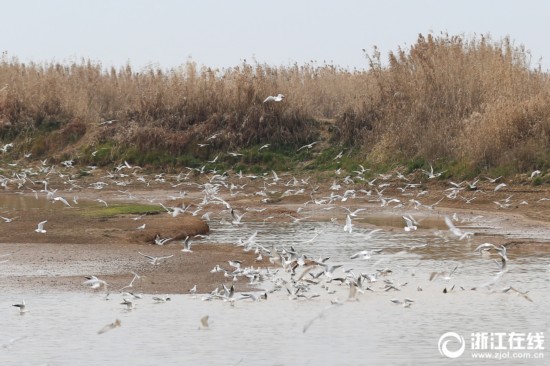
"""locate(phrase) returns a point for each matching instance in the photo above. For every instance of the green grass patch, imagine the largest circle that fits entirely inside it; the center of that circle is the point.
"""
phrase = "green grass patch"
(101, 154)
(460, 170)
(254, 160)
(326, 160)
(48, 124)
(415, 164)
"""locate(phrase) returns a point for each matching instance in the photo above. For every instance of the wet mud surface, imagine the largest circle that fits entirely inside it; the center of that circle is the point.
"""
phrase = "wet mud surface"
(77, 244)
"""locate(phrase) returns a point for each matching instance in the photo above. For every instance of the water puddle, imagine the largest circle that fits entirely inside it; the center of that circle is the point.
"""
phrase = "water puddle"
(372, 330)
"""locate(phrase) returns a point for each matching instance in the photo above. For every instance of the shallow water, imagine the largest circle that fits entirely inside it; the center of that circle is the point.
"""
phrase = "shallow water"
(61, 328)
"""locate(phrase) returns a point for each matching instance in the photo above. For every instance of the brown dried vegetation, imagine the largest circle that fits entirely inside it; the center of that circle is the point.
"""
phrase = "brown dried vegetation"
(449, 98)
(446, 98)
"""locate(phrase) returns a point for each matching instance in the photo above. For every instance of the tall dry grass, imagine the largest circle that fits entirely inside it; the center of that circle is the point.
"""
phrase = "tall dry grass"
(158, 109)
(447, 98)
(450, 98)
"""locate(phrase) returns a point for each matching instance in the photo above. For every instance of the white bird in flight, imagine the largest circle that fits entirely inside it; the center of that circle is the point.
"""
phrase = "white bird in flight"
(354, 213)
(236, 218)
(214, 160)
(161, 241)
(136, 277)
(277, 98)
(348, 227)
(410, 223)
(493, 180)
(308, 146)
(186, 245)
(154, 260)
(446, 276)
(107, 122)
(204, 322)
(8, 219)
(108, 327)
(456, 231)
(321, 315)
(431, 173)
(129, 304)
(40, 229)
(535, 173)
(484, 247)
(22, 307)
(501, 185)
(63, 200)
(160, 299)
(94, 282)
(364, 254)
(235, 263)
(102, 201)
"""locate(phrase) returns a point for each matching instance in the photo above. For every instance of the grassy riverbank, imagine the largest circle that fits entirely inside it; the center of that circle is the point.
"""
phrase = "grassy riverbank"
(468, 106)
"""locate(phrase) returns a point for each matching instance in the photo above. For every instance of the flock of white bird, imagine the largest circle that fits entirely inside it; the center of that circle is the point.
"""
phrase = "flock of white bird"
(299, 275)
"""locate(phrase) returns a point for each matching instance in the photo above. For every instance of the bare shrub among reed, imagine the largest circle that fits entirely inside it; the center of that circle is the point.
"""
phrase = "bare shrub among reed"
(513, 134)
(451, 98)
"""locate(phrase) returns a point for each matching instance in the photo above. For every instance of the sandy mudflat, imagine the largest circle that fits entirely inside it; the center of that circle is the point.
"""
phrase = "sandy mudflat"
(76, 245)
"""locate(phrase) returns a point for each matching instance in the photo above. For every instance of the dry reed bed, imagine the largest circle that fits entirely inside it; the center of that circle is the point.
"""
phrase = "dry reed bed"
(446, 99)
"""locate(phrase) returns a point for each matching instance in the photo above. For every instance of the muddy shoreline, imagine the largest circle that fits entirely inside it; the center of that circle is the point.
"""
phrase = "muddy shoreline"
(76, 245)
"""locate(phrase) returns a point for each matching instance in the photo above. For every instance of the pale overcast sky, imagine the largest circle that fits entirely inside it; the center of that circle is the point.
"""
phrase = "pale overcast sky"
(278, 32)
